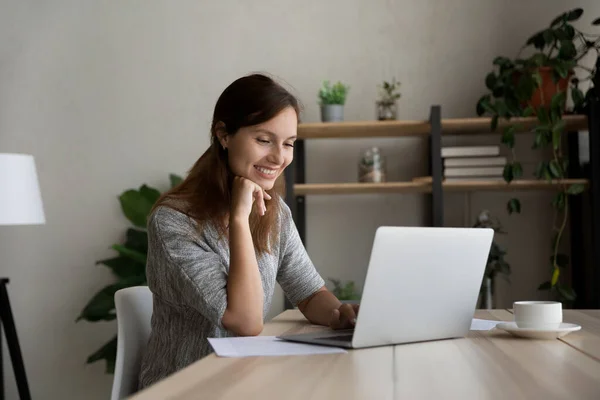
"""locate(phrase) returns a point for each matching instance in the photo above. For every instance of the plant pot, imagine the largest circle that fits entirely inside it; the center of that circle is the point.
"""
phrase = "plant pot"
(542, 96)
(332, 112)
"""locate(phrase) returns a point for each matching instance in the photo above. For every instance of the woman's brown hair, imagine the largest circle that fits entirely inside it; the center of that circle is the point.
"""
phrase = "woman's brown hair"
(205, 194)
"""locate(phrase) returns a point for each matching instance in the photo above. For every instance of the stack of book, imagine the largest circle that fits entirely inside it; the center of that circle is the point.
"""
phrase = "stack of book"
(473, 163)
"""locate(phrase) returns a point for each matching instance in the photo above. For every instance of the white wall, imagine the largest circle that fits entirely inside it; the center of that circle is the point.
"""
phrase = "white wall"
(110, 95)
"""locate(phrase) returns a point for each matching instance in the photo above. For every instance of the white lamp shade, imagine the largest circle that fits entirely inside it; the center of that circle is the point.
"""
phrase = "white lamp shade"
(20, 197)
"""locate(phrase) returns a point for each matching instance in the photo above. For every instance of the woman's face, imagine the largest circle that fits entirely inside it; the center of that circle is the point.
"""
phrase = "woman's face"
(260, 153)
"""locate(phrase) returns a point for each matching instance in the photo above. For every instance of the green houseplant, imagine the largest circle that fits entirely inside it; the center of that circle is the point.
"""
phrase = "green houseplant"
(387, 104)
(128, 267)
(537, 85)
(496, 265)
(345, 292)
(332, 99)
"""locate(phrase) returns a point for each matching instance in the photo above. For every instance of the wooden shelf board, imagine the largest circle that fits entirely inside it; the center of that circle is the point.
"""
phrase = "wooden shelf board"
(361, 188)
(454, 126)
(423, 185)
(460, 126)
(500, 185)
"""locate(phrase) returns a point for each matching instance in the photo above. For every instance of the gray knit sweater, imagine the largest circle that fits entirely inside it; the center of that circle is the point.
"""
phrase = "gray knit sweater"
(187, 274)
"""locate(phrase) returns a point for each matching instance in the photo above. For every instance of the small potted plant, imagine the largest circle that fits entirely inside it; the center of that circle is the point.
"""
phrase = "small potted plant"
(387, 108)
(332, 99)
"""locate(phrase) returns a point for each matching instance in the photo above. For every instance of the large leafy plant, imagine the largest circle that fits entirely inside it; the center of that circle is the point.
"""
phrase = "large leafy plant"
(537, 85)
(345, 291)
(128, 266)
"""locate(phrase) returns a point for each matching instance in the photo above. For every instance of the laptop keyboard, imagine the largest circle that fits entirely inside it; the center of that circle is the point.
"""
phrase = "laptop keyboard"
(340, 338)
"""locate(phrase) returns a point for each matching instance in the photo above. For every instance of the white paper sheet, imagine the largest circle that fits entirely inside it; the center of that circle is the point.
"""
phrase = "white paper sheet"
(266, 346)
(483, 324)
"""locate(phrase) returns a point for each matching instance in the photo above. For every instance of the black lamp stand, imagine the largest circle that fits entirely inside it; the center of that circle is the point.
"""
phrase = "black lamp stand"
(7, 321)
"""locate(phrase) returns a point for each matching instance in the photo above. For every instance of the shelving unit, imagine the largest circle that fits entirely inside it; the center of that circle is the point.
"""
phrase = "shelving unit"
(433, 185)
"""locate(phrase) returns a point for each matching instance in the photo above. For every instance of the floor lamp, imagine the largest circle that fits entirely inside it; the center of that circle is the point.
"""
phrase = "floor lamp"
(20, 204)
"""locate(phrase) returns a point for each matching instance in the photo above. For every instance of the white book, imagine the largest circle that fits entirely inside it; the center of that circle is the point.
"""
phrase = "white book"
(470, 151)
(473, 178)
(474, 171)
(474, 162)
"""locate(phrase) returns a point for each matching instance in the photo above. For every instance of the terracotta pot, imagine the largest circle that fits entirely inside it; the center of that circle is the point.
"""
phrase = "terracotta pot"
(543, 94)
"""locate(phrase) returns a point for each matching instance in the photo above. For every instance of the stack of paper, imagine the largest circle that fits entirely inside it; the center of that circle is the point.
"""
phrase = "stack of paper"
(266, 346)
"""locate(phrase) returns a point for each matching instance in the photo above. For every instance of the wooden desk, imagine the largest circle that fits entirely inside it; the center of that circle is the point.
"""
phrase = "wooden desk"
(485, 365)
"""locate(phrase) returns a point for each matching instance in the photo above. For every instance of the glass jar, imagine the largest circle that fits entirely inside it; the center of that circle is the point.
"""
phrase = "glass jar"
(371, 167)
(386, 110)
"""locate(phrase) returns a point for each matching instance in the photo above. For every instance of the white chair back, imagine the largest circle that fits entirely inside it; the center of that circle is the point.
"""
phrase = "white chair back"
(134, 312)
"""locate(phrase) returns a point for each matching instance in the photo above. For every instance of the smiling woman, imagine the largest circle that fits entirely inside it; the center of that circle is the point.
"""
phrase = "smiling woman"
(222, 238)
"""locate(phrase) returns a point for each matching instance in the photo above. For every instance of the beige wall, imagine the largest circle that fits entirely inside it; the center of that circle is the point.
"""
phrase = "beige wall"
(108, 95)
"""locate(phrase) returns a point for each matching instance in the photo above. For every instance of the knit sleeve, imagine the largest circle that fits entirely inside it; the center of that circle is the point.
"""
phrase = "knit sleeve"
(182, 269)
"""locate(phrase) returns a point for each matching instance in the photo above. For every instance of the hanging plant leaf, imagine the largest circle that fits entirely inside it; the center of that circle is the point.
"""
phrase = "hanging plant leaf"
(545, 286)
(576, 188)
(508, 172)
(555, 169)
(596, 21)
(574, 14)
(567, 293)
(508, 137)
(517, 170)
(555, 276)
(514, 206)
(557, 131)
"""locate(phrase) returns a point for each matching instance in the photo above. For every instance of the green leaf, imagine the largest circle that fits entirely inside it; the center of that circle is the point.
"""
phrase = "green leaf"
(575, 189)
(494, 123)
(137, 240)
(539, 170)
(545, 286)
(542, 114)
(559, 201)
(517, 170)
(577, 96)
(528, 111)
(555, 276)
(130, 253)
(175, 180)
(567, 293)
(507, 173)
(562, 260)
(502, 61)
(101, 307)
(574, 14)
(537, 40)
(570, 32)
(508, 137)
(548, 35)
(514, 205)
(558, 101)
(555, 169)
(149, 193)
(490, 81)
(596, 21)
(107, 352)
(567, 50)
(136, 207)
(557, 131)
(124, 267)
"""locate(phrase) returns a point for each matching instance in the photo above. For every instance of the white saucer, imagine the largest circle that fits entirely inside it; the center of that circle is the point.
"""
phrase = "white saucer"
(562, 330)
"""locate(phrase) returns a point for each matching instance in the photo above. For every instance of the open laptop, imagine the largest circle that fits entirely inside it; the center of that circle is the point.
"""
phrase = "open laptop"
(422, 284)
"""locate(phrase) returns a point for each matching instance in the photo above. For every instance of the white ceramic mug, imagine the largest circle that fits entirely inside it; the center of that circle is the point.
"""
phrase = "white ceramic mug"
(538, 314)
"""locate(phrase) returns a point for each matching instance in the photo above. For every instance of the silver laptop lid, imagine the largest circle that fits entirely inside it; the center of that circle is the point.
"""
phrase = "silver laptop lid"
(422, 284)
